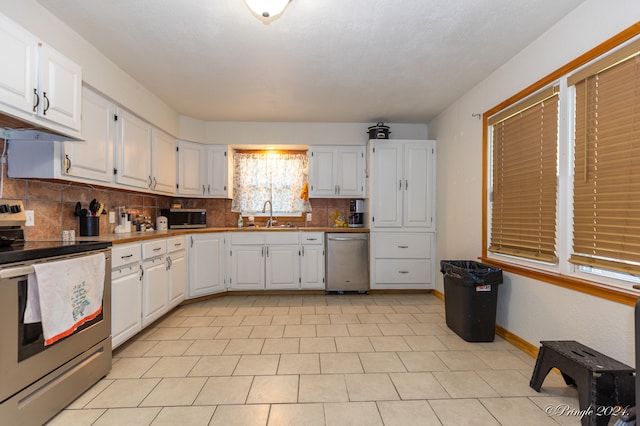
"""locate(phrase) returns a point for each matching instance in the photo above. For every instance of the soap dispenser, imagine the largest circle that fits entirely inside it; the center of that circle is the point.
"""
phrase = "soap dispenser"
(240, 222)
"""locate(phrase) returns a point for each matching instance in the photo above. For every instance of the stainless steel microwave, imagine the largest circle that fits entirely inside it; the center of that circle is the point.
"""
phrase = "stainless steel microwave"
(185, 218)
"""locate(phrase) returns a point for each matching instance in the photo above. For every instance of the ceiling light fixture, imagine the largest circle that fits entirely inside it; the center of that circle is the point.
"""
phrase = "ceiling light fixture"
(267, 10)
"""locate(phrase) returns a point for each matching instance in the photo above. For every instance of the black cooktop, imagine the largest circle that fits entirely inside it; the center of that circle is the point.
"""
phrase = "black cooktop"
(21, 251)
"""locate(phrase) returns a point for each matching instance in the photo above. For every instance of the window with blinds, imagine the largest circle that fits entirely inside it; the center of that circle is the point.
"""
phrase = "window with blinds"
(524, 178)
(606, 205)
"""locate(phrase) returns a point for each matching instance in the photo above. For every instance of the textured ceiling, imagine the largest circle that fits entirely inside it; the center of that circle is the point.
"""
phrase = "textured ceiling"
(400, 61)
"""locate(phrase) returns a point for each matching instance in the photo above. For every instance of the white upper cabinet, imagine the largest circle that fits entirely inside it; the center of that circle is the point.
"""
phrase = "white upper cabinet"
(93, 158)
(402, 188)
(218, 181)
(146, 156)
(134, 151)
(60, 88)
(37, 83)
(190, 168)
(163, 162)
(336, 171)
(203, 170)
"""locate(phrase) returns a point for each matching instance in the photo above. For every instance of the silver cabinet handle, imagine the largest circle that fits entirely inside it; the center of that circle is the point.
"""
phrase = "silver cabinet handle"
(400, 185)
(157, 249)
(191, 241)
(403, 247)
(155, 182)
(149, 182)
(127, 256)
(406, 185)
(67, 163)
(403, 272)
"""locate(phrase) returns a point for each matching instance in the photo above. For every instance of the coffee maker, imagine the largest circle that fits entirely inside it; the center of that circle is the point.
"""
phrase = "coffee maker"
(356, 213)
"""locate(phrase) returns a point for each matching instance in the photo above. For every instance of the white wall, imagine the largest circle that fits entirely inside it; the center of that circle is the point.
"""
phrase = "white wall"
(250, 133)
(531, 309)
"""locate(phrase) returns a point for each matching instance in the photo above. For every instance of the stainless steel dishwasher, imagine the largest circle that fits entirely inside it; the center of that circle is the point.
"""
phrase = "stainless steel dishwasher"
(347, 262)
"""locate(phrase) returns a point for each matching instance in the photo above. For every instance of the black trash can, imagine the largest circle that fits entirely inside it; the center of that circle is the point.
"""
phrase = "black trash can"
(470, 298)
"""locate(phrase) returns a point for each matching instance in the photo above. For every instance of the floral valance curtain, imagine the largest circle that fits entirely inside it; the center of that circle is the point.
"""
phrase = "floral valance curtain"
(259, 177)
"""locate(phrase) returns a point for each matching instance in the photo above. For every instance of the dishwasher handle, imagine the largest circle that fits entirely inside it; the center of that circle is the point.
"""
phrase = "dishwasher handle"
(332, 238)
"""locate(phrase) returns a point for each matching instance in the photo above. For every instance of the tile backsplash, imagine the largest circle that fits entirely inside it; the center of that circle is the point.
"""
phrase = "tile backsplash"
(53, 203)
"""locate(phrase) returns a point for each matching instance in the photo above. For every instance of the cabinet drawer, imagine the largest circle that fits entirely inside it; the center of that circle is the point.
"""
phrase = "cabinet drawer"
(154, 248)
(411, 271)
(402, 246)
(311, 237)
(175, 244)
(123, 255)
(282, 237)
(247, 237)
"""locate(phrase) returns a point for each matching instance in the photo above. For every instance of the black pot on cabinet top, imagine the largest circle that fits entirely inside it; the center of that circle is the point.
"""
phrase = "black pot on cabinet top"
(379, 131)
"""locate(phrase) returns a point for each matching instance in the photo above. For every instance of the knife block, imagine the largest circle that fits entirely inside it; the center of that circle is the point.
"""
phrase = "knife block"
(89, 226)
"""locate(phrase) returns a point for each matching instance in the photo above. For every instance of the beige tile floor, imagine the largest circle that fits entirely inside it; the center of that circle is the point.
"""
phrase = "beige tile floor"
(317, 360)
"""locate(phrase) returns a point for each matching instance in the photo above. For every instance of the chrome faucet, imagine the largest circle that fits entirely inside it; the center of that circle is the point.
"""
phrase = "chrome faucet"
(264, 208)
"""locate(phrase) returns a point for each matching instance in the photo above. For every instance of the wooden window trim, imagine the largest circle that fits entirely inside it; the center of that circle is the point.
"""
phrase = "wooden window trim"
(604, 291)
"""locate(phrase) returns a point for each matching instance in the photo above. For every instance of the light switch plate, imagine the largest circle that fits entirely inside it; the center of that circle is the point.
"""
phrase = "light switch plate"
(308, 217)
(29, 218)
(112, 217)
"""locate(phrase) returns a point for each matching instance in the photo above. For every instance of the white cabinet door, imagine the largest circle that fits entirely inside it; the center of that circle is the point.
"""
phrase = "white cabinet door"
(282, 267)
(418, 185)
(93, 158)
(350, 167)
(61, 88)
(218, 183)
(206, 264)
(155, 289)
(336, 171)
(163, 162)
(247, 267)
(177, 277)
(402, 191)
(312, 267)
(134, 151)
(387, 185)
(191, 168)
(126, 303)
(322, 172)
(37, 83)
(18, 79)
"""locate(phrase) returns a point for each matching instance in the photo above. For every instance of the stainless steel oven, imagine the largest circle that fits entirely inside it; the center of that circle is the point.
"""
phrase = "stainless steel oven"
(38, 381)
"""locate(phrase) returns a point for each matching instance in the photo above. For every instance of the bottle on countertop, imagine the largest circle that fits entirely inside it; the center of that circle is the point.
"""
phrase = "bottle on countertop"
(240, 221)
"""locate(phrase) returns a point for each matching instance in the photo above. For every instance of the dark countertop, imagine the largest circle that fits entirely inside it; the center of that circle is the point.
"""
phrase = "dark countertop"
(33, 250)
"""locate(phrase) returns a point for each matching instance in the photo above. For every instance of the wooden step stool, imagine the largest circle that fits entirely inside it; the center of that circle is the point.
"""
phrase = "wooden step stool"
(601, 381)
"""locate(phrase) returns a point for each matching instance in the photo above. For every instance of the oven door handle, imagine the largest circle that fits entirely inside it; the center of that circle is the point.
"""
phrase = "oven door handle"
(16, 272)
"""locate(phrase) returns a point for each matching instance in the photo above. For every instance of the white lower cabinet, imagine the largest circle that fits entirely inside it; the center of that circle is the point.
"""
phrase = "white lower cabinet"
(155, 281)
(262, 260)
(177, 261)
(126, 293)
(207, 255)
(402, 260)
(312, 261)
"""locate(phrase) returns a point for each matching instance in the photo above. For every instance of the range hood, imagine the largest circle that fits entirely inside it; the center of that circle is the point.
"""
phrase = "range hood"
(14, 129)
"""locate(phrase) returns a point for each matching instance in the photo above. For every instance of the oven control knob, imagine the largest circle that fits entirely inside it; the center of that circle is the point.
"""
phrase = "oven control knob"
(15, 208)
(4, 208)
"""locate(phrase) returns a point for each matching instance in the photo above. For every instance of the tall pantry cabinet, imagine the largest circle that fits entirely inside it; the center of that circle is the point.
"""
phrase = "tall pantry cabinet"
(402, 213)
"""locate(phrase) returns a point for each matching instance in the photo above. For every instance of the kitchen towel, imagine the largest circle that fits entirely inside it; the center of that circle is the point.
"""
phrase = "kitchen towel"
(64, 295)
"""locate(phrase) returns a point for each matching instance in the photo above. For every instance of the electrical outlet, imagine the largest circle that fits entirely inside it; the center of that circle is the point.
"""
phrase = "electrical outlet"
(112, 217)
(308, 217)
(29, 218)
